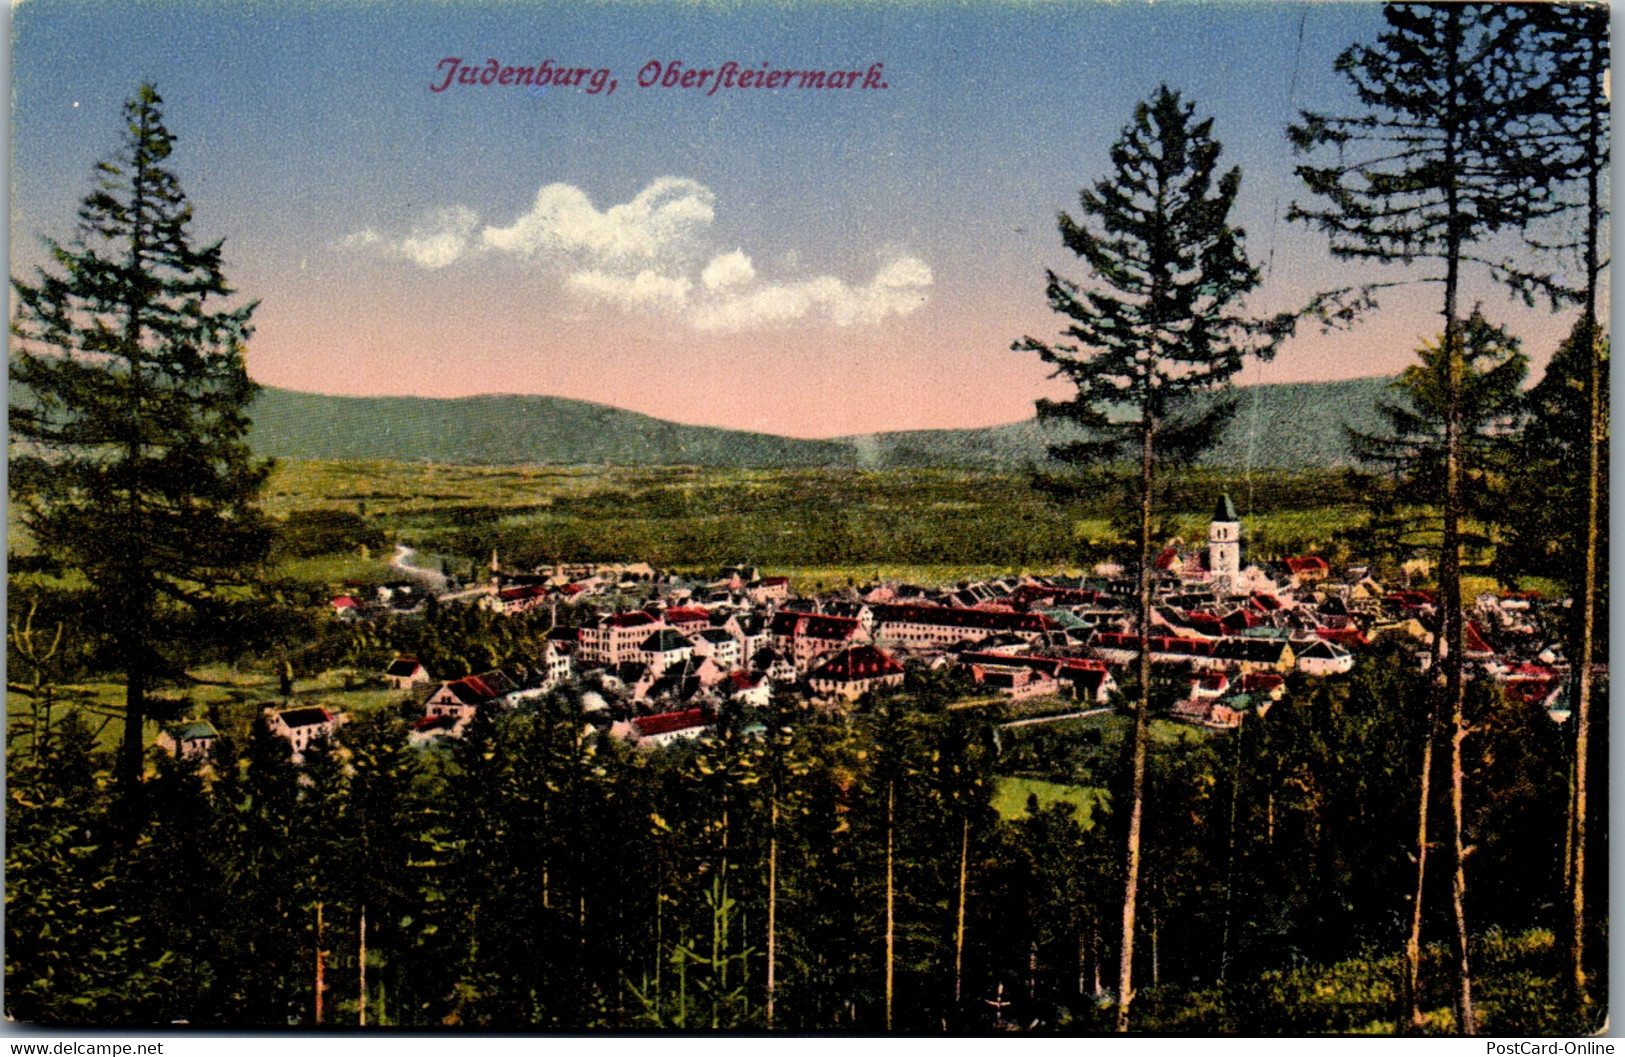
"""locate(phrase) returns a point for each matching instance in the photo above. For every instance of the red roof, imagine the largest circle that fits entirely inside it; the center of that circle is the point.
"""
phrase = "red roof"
(1116, 640)
(813, 626)
(745, 680)
(857, 664)
(512, 594)
(343, 602)
(1311, 564)
(634, 619)
(404, 667)
(1261, 682)
(1343, 636)
(1052, 666)
(1027, 594)
(305, 717)
(1266, 603)
(687, 615)
(667, 722)
(972, 619)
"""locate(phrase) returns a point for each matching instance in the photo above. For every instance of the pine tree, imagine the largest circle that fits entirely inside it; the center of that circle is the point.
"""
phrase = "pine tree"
(1450, 151)
(1577, 35)
(1157, 329)
(128, 417)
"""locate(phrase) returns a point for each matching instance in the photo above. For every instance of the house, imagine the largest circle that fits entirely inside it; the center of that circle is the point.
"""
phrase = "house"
(854, 672)
(663, 728)
(1206, 713)
(404, 673)
(1324, 658)
(1254, 654)
(803, 637)
(1169, 560)
(721, 646)
(616, 638)
(1530, 683)
(430, 728)
(665, 648)
(751, 688)
(346, 608)
(774, 664)
(920, 626)
(1086, 679)
(687, 619)
(768, 589)
(461, 697)
(301, 726)
(192, 740)
(556, 663)
(1308, 570)
(1015, 682)
(522, 598)
(1263, 684)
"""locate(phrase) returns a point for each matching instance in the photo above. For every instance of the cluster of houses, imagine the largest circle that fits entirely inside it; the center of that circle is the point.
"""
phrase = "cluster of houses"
(655, 656)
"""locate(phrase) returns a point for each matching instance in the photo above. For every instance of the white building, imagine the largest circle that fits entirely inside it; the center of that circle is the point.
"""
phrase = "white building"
(1224, 543)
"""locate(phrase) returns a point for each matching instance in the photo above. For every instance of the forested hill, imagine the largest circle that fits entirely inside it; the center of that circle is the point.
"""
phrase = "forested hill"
(1290, 426)
(510, 430)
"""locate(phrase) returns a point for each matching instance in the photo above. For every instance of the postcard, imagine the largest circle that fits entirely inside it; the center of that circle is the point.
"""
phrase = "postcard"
(825, 518)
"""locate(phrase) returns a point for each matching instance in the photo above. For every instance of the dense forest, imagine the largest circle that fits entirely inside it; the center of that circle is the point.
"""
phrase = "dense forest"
(800, 871)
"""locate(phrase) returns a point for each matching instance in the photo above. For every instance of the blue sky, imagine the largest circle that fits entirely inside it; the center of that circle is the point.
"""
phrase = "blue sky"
(811, 262)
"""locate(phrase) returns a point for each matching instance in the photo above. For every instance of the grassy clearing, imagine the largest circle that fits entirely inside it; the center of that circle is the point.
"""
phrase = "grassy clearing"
(332, 570)
(1012, 795)
(232, 696)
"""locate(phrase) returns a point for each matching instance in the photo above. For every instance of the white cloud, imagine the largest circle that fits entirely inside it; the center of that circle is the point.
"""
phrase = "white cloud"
(642, 256)
(898, 289)
(443, 238)
(666, 216)
(730, 269)
(646, 289)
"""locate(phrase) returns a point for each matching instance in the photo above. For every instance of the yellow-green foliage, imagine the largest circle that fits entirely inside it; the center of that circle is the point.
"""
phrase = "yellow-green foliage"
(1012, 796)
(1517, 989)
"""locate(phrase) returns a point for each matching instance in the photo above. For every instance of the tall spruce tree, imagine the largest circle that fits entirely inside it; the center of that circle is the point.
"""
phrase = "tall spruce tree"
(1576, 35)
(128, 417)
(1158, 326)
(1448, 152)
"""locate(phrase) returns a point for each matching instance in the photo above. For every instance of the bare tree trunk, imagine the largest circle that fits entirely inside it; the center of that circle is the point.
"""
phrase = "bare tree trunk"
(1142, 714)
(772, 905)
(361, 962)
(321, 964)
(1450, 558)
(1588, 594)
(1413, 942)
(891, 805)
(959, 930)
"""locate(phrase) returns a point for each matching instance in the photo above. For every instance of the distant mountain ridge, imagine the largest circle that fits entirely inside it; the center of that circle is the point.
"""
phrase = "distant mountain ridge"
(1299, 425)
(1285, 425)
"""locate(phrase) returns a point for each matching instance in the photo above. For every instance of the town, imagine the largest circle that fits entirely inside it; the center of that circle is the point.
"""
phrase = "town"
(657, 656)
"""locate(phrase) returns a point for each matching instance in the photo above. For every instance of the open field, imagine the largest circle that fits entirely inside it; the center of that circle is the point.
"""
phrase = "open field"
(1011, 799)
(821, 527)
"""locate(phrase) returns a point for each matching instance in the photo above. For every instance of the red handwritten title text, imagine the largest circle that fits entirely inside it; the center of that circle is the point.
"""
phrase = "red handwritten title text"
(653, 74)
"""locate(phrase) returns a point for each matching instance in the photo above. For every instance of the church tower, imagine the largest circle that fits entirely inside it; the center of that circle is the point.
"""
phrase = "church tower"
(1224, 542)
